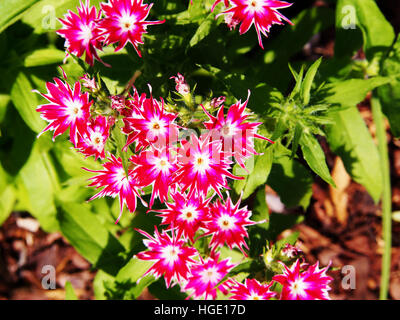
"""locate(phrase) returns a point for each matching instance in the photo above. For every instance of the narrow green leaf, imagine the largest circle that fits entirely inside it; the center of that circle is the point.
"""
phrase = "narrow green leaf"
(299, 81)
(70, 292)
(350, 139)
(90, 238)
(203, 30)
(315, 157)
(26, 103)
(308, 81)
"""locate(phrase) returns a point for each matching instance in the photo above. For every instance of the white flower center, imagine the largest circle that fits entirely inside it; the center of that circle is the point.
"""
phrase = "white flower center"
(210, 275)
(74, 108)
(201, 163)
(189, 213)
(86, 33)
(162, 164)
(226, 222)
(170, 253)
(255, 296)
(255, 5)
(96, 139)
(157, 127)
(298, 287)
(228, 130)
(127, 22)
(120, 178)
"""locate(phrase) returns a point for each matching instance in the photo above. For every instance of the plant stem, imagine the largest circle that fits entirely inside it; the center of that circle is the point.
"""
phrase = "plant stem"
(386, 196)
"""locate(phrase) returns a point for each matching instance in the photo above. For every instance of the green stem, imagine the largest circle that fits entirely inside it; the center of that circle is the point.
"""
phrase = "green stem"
(386, 196)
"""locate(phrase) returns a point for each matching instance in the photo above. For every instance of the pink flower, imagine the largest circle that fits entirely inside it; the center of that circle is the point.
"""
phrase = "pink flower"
(205, 277)
(93, 139)
(155, 167)
(262, 13)
(81, 32)
(125, 22)
(291, 251)
(203, 166)
(115, 182)
(68, 108)
(251, 290)
(311, 284)
(216, 102)
(181, 86)
(150, 123)
(234, 131)
(186, 214)
(171, 257)
(89, 83)
(118, 102)
(227, 224)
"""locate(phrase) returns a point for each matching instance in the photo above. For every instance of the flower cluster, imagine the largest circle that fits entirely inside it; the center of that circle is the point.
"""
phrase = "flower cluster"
(147, 149)
(117, 22)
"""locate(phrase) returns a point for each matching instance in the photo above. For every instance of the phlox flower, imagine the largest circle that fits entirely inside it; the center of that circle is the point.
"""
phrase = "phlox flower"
(203, 166)
(186, 214)
(311, 284)
(68, 108)
(92, 141)
(155, 167)
(172, 259)
(235, 132)
(125, 22)
(115, 182)
(262, 13)
(251, 290)
(81, 32)
(206, 275)
(181, 85)
(150, 123)
(227, 224)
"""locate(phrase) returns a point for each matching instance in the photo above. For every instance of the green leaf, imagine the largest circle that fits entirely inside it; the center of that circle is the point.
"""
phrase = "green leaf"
(100, 284)
(259, 168)
(203, 30)
(42, 57)
(11, 11)
(308, 81)
(289, 174)
(350, 139)
(90, 238)
(350, 92)
(348, 38)
(26, 102)
(70, 292)
(134, 269)
(315, 157)
(40, 179)
(378, 33)
(390, 94)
